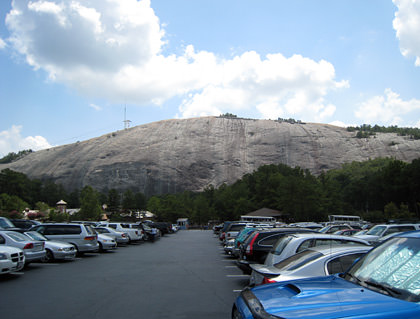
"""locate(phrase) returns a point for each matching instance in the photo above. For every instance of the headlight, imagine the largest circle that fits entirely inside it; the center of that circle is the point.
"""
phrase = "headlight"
(3, 256)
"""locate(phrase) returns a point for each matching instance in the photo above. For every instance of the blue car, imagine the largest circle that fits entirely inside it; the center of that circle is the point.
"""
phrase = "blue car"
(385, 283)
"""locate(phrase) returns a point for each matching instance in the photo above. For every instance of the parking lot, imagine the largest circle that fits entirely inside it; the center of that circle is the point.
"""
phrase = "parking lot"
(181, 275)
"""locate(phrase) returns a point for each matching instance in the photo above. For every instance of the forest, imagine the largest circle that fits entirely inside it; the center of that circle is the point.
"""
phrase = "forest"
(377, 189)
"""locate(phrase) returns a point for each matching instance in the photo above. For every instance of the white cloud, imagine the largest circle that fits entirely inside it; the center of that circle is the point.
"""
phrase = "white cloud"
(2, 44)
(12, 141)
(386, 110)
(95, 107)
(407, 26)
(113, 49)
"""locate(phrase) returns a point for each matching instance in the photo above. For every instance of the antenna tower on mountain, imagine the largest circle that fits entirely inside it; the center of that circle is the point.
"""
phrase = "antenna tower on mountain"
(126, 122)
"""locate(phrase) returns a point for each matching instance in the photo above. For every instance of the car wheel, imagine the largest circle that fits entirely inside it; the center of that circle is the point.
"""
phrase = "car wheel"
(236, 314)
(101, 248)
(49, 256)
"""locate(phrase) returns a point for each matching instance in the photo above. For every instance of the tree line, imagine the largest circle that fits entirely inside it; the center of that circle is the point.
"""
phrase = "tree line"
(378, 190)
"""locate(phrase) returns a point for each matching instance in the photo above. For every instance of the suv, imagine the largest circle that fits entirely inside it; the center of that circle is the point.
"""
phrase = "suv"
(379, 231)
(382, 284)
(83, 237)
(259, 243)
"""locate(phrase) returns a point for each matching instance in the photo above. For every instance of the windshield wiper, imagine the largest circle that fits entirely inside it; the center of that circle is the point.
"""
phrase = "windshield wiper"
(389, 290)
(355, 279)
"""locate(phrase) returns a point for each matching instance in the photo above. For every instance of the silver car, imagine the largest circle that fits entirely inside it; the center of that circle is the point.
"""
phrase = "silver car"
(83, 237)
(295, 243)
(54, 249)
(33, 249)
(106, 242)
(119, 237)
(317, 261)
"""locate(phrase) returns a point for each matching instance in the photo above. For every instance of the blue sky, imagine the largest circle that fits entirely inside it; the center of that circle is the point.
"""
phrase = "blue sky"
(70, 68)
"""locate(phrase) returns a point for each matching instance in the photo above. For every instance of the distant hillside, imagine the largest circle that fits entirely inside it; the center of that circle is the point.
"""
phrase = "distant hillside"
(175, 155)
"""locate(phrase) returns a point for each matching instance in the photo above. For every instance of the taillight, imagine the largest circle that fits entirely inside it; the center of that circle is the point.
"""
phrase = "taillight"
(137, 232)
(29, 246)
(249, 248)
(123, 235)
(90, 238)
(267, 281)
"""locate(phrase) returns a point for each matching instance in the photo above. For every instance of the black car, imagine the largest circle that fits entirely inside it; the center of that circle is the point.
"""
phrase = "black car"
(256, 247)
(24, 224)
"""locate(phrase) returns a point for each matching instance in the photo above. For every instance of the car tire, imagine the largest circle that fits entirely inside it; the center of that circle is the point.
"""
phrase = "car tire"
(49, 256)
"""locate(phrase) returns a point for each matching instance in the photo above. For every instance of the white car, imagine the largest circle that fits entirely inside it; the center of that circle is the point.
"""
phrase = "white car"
(11, 259)
(119, 237)
(54, 249)
(134, 234)
(313, 262)
(295, 243)
(106, 242)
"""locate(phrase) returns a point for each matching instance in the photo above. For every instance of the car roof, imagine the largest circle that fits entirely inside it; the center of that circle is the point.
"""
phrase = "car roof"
(410, 234)
(323, 235)
(326, 249)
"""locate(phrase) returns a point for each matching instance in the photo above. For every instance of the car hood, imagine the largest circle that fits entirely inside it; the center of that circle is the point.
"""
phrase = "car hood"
(330, 297)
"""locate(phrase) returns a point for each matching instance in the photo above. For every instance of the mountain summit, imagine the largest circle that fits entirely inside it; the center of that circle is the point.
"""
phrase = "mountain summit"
(189, 154)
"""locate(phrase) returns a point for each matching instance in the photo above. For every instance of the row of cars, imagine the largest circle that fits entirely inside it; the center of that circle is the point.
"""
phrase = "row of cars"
(63, 241)
(303, 273)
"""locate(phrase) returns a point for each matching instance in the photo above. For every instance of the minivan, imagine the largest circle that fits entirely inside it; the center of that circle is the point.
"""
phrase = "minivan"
(83, 237)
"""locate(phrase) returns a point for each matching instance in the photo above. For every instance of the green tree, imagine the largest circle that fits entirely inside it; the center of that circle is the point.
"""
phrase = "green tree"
(128, 200)
(113, 200)
(90, 206)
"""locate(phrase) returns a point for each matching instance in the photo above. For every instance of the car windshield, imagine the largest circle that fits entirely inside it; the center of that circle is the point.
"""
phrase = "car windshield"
(298, 260)
(376, 231)
(36, 236)
(391, 268)
(5, 223)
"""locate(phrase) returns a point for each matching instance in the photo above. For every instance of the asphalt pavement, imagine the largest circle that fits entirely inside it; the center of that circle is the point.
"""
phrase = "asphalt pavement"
(181, 275)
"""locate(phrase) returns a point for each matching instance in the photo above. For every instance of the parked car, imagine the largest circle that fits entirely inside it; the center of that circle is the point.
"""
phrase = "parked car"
(6, 224)
(83, 237)
(106, 242)
(11, 259)
(378, 231)
(119, 237)
(24, 224)
(149, 233)
(330, 229)
(316, 261)
(134, 234)
(295, 243)
(33, 249)
(54, 249)
(259, 243)
(384, 284)
(347, 232)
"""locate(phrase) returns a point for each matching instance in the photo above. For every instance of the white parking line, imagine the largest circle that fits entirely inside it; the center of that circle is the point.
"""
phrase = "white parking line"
(230, 267)
(237, 290)
(237, 276)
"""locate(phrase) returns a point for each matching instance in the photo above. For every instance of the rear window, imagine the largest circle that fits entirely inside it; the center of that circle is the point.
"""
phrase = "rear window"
(298, 260)
(342, 263)
(281, 244)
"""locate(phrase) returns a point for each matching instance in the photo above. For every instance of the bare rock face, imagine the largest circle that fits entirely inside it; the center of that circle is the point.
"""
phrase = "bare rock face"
(176, 155)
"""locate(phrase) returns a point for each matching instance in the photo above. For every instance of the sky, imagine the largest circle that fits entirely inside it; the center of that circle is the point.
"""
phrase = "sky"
(71, 70)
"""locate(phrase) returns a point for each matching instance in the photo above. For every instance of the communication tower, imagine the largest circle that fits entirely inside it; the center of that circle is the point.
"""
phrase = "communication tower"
(126, 122)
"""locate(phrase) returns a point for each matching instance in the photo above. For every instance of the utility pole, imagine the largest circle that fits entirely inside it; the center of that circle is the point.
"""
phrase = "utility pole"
(126, 122)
